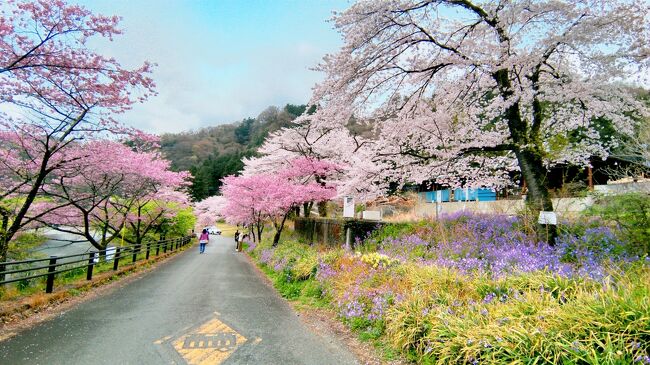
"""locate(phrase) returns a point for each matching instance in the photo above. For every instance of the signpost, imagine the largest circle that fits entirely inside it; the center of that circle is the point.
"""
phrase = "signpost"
(348, 212)
(348, 207)
(547, 219)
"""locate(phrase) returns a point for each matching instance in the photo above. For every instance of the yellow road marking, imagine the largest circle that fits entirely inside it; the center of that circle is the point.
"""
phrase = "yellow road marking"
(212, 343)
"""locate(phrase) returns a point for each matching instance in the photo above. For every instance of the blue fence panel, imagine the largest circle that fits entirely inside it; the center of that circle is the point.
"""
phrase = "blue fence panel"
(483, 194)
(486, 195)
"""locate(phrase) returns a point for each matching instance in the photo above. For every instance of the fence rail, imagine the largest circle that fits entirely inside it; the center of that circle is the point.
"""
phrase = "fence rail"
(15, 271)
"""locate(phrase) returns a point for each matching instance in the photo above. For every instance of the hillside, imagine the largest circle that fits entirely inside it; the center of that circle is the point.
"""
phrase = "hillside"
(214, 152)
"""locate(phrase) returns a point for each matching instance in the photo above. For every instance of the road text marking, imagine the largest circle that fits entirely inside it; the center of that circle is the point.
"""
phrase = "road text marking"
(211, 343)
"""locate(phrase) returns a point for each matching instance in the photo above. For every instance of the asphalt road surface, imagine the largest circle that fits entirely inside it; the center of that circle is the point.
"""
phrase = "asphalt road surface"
(210, 308)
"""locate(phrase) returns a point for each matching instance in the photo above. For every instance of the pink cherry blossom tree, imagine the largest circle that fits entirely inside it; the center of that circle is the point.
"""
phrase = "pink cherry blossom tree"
(153, 193)
(54, 91)
(463, 91)
(244, 204)
(109, 187)
(152, 212)
(209, 210)
(252, 199)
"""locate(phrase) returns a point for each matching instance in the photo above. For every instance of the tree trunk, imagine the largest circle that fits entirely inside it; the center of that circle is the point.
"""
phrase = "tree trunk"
(538, 198)
(322, 209)
(307, 208)
(276, 238)
(4, 239)
(528, 150)
(278, 230)
(4, 245)
(260, 228)
(251, 231)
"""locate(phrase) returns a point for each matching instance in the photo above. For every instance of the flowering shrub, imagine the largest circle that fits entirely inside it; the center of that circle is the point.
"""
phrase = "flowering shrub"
(250, 245)
(479, 289)
(376, 260)
(496, 245)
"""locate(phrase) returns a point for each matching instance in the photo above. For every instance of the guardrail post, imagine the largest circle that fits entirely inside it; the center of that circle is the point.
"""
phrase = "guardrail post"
(116, 259)
(49, 285)
(158, 248)
(177, 241)
(91, 264)
(135, 254)
(165, 247)
(148, 248)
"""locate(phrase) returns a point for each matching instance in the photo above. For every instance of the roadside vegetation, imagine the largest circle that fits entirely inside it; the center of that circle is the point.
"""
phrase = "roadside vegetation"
(476, 289)
(74, 278)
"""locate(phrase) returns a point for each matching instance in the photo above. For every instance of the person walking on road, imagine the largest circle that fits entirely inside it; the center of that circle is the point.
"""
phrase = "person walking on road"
(237, 240)
(242, 238)
(203, 240)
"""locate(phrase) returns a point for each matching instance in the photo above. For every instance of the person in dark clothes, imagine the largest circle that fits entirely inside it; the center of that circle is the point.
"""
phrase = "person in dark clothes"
(237, 241)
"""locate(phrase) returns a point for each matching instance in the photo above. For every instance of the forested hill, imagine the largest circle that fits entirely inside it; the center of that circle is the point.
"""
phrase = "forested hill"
(214, 152)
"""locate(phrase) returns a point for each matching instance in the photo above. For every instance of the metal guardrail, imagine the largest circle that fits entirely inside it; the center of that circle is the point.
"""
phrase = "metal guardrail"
(15, 271)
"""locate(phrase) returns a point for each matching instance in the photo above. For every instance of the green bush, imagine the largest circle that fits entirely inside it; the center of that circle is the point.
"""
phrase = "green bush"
(631, 212)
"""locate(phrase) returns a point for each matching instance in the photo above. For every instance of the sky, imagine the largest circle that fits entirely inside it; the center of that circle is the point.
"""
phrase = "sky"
(219, 61)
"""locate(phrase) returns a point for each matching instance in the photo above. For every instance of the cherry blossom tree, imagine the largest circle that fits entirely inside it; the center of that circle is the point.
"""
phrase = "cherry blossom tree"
(244, 203)
(154, 193)
(463, 91)
(208, 210)
(635, 152)
(54, 91)
(109, 187)
(151, 212)
(323, 154)
(252, 199)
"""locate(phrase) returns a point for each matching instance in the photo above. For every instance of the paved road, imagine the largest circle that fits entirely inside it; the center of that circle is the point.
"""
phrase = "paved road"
(209, 308)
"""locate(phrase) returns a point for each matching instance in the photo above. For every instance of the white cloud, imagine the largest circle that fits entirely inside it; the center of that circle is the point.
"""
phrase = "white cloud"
(209, 71)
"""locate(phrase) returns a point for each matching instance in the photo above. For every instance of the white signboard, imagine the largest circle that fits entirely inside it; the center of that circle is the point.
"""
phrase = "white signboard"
(547, 218)
(348, 207)
(439, 196)
(110, 254)
(374, 215)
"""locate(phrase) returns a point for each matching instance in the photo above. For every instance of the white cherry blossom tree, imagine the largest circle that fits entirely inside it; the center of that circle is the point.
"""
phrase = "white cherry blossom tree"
(464, 91)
